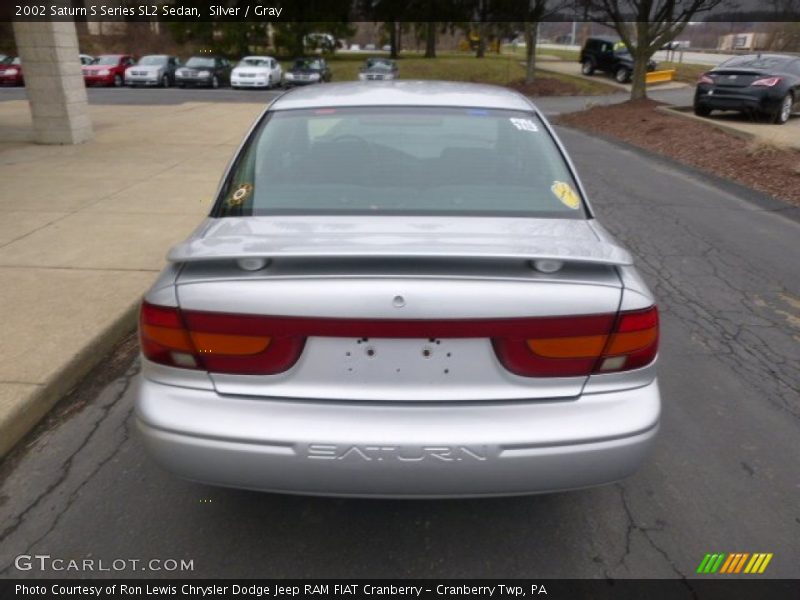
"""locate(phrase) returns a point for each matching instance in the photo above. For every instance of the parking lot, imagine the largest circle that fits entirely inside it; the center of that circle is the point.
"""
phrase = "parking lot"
(724, 476)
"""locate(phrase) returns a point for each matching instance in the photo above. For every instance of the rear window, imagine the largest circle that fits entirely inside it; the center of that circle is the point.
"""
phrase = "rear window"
(755, 62)
(394, 160)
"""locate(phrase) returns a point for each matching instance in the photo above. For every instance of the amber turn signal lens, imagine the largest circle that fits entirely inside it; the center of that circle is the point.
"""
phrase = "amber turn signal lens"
(589, 346)
(232, 345)
(622, 343)
(174, 339)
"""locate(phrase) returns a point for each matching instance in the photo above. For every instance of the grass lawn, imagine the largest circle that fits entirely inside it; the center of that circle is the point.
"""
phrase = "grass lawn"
(562, 54)
(498, 69)
(685, 72)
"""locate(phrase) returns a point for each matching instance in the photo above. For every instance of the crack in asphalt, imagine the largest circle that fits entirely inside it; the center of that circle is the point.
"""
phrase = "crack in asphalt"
(734, 333)
(633, 527)
(66, 466)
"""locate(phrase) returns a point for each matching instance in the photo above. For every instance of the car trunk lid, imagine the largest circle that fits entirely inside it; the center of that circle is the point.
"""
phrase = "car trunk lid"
(735, 78)
(399, 308)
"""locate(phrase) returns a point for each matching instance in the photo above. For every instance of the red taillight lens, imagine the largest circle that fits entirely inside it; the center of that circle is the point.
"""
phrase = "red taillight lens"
(579, 346)
(214, 342)
(767, 82)
(704, 78)
(634, 342)
(555, 346)
(532, 347)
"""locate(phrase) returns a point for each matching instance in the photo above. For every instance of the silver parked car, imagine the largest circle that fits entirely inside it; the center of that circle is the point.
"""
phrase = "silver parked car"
(153, 70)
(401, 291)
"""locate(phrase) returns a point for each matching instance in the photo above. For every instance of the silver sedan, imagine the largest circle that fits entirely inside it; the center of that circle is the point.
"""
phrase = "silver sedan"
(401, 291)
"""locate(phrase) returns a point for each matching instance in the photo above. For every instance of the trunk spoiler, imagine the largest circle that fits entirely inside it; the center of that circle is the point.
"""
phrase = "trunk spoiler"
(316, 237)
(234, 248)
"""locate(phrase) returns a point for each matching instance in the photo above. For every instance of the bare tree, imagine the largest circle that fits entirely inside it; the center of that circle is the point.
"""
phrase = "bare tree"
(645, 26)
(538, 10)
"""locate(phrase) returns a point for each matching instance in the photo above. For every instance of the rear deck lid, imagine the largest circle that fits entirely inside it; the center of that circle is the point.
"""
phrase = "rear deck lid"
(365, 271)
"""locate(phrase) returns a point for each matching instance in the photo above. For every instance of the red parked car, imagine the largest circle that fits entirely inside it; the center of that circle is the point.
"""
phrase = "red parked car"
(107, 69)
(11, 71)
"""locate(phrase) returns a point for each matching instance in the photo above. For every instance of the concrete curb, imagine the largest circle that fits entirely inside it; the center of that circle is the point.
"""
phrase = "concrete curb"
(681, 111)
(26, 413)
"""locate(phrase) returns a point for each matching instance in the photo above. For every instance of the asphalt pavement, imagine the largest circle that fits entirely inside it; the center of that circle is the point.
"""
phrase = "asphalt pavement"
(159, 96)
(724, 476)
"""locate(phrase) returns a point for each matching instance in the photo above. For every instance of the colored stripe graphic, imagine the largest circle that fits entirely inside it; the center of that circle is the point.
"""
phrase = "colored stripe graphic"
(740, 564)
(727, 564)
(703, 564)
(764, 564)
(720, 562)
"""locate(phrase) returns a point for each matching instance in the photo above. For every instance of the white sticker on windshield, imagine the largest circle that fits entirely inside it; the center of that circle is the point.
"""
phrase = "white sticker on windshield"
(524, 125)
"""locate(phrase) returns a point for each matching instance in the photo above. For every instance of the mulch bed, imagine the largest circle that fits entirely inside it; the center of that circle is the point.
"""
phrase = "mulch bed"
(766, 168)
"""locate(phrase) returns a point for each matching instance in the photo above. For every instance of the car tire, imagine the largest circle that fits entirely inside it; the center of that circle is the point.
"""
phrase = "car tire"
(587, 67)
(622, 75)
(269, 82)
(118, 81)
(701, 111)
(784, 110)
(215, 82)
(182, 85)
(165, 81)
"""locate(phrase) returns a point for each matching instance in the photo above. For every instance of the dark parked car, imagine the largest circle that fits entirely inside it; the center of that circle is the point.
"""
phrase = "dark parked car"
(378, 69)
(155, 69)
(11, 71)
(307, 70)
(610, 56)
(764, 84)
(205, 71)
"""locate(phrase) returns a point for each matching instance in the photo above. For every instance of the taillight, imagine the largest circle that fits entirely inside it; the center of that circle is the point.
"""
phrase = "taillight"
(579, 346)
(215, 342)
(531, 346)
(767, 81)
(704, 78)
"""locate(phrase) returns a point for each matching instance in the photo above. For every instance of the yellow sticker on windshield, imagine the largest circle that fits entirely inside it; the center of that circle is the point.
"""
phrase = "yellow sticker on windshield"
(240, 194)
(568, 196)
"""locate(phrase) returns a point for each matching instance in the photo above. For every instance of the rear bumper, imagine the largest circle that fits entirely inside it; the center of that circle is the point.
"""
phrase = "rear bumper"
(728, 100)
(395, 449)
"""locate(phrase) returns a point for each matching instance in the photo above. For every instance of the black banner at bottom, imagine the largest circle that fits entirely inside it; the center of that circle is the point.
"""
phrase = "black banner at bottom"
(422, 589)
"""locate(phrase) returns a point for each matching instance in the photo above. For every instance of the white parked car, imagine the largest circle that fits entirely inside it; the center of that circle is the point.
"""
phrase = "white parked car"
(256, 72)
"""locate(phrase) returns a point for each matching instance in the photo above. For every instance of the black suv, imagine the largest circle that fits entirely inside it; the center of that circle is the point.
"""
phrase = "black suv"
(609, 55)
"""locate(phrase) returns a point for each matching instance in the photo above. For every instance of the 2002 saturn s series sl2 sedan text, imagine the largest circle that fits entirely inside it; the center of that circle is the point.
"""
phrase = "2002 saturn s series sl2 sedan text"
(401, 291)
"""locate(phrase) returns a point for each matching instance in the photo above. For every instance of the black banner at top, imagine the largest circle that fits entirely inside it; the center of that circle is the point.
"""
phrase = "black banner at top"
(393, 10)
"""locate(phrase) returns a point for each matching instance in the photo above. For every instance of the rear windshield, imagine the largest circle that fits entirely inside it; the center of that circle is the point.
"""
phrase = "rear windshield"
(395, 160)
(755, 62)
